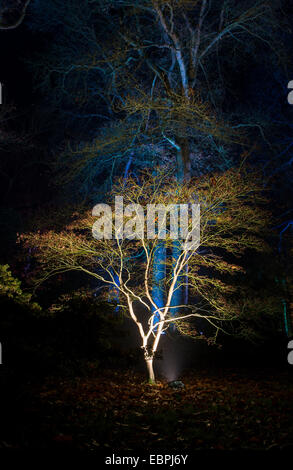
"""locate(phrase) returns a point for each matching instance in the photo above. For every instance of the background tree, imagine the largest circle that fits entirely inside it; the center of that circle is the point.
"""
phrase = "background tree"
(152, 94)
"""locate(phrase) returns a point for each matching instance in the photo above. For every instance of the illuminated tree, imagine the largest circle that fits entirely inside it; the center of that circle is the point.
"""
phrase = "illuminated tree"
(141, 83)
(232, 220)
(142, 80)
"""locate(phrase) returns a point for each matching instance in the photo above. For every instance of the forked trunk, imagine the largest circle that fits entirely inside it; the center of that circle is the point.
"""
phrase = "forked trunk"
(150, 368)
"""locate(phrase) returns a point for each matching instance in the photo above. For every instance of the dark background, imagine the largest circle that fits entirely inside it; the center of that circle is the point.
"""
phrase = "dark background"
(81, 341)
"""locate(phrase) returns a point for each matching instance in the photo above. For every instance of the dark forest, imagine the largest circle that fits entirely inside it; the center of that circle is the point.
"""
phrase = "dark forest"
(146, 284)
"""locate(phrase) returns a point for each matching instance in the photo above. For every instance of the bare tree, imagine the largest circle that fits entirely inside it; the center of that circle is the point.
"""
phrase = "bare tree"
(137, 74)
(144, 80)
(231, 222)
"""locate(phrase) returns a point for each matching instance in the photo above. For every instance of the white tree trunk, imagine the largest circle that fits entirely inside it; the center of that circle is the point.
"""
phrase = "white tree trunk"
(150, 368)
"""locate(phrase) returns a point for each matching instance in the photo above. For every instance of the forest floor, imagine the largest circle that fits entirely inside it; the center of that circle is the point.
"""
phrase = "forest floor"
(121, 412)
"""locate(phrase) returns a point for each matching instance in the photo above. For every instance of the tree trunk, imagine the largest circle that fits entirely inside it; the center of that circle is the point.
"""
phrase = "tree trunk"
(177, 296)
(183, 160)
(159, 278)
(150, 368)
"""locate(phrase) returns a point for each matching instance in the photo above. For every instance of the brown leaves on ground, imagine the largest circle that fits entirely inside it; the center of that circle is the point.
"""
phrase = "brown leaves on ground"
(122, 412)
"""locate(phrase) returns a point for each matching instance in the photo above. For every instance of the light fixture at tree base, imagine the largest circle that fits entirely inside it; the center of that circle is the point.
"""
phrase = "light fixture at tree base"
(176, 385)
